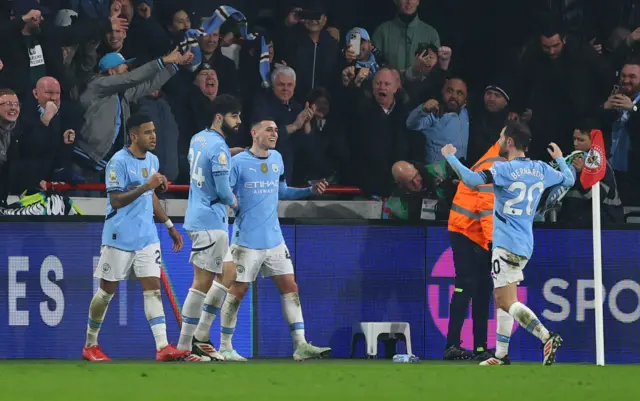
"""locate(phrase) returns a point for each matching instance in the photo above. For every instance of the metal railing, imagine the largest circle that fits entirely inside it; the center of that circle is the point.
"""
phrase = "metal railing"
(64, 187)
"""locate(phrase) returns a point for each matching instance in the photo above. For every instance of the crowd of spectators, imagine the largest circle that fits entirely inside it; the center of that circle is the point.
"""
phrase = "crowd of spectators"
(354, 86)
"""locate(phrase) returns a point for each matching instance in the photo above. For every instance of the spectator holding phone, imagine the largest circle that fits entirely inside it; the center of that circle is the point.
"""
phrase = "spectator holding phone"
(359, 51)
(399, 38)
(621, 116)
(309, 49)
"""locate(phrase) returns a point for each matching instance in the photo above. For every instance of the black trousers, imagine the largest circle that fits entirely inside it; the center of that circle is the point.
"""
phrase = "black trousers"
(473, 282)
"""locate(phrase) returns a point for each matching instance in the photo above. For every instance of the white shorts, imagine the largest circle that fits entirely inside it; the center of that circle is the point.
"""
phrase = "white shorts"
(249, 262)
(117, 265)
(506, 267)
(208, 249)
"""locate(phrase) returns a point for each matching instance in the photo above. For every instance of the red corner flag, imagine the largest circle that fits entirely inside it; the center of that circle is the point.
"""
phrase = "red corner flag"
(595, 166)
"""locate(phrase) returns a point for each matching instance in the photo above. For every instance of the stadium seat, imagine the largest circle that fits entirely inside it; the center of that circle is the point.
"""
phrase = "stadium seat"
(371, 331)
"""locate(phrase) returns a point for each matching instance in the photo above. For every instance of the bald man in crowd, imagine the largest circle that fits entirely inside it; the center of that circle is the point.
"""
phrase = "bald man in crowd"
(49, 126)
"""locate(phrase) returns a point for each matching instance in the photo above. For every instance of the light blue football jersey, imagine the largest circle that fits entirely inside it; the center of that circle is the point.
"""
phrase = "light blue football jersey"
(258, 184)
(130, 228)
(518, 187)
(209, 190)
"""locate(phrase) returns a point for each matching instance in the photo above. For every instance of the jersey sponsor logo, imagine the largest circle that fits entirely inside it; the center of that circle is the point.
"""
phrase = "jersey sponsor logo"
(264, 168)
(443, 275)
(222, 158)
(275, 168)
(145, 172)
(261, 184)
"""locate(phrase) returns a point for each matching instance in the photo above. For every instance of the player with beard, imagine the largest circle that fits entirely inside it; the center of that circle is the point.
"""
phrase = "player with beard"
(518, 184)
(207, 224)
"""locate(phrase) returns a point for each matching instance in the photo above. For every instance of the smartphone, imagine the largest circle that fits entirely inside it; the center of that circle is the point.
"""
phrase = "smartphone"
(615, 90)
(354, 41)
(309, 15)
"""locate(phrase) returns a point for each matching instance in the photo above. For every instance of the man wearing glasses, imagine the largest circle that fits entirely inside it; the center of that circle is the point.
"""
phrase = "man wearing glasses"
(9, 113)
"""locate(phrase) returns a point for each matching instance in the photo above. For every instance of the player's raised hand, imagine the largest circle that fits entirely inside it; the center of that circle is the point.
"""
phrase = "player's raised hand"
(554, 151)
(157, 180)
(449, 149)
(319, 187)
(176, 238)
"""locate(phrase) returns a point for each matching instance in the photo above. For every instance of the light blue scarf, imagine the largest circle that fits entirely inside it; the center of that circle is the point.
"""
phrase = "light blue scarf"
(211, 24)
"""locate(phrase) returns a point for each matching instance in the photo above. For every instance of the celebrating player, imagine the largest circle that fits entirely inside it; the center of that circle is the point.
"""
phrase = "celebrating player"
(518, 186)
(257, 176)
(207, 223)
(130, 238)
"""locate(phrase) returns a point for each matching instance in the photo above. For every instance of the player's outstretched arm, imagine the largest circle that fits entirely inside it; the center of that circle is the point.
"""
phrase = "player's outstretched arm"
(467, 176)
(287, 193)
(567, 175)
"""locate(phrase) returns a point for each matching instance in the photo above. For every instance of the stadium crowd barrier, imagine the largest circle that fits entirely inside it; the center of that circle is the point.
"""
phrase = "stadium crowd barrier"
(347, 270)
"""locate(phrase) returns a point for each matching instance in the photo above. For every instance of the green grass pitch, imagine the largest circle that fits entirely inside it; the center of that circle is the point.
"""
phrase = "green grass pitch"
(324, 380)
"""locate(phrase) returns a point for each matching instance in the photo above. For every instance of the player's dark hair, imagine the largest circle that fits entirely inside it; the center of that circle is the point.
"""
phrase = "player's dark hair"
(225, 104)
(520, 133)
(136, 121)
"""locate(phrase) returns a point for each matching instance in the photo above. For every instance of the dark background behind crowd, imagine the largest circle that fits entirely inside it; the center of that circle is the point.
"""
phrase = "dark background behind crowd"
(426, 73)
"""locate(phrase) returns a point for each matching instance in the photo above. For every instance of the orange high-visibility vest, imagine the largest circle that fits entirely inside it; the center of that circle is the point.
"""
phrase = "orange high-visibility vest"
(472, 210)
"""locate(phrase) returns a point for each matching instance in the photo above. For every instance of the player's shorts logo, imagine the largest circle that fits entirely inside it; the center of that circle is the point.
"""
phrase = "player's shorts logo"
(218, 261)
(240, 269)
(106, 268)
(264, 168)
(442, 275)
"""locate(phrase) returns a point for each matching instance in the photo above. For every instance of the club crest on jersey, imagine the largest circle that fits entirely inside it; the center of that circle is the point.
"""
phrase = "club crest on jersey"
(113, 176)
(145, 172)
(264, 168)
(275, 168)
(222, 158)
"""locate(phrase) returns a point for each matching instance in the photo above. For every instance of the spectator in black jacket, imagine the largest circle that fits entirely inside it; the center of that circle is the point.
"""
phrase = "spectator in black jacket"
(621, 122)
(311, 51)
(377, 134)
(9, 140)
(278, 105)
(32, 46)
(561, 81)
(487, 120)
(49, 127)
(323, 152)
(192, 104)
(224, 66)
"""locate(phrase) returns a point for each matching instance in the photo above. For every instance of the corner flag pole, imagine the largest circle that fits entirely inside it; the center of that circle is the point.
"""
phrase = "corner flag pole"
(597, 273)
